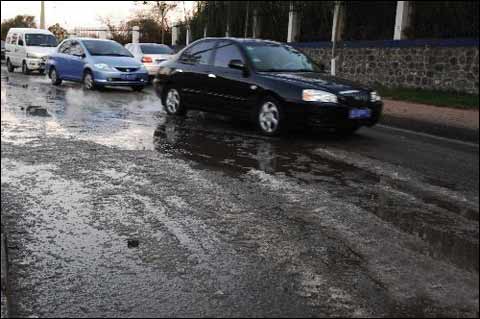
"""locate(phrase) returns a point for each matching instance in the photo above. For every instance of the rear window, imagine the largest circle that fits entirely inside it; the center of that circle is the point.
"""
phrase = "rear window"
(40, 40)
(155, 49)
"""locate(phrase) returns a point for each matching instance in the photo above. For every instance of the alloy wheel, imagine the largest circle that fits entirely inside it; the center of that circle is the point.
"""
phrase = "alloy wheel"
(173, 101)
(269, 117)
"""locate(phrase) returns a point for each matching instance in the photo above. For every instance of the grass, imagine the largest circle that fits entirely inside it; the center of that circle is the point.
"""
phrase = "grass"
(431, 97)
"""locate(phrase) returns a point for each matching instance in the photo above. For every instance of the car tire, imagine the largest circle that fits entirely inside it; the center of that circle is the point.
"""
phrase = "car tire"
(269, 117)
(138, 88)
(54, 77)
(88, 82)
(172, 102)
(25, 69)
(10, 66)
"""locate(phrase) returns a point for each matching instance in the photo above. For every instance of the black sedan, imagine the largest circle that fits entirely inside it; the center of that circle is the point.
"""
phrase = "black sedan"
(268, 82)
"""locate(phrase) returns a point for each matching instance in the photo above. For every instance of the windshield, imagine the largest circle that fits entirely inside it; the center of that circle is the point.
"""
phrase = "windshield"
(107, 48)
(274, 57)
(155, 49)
(40, 40)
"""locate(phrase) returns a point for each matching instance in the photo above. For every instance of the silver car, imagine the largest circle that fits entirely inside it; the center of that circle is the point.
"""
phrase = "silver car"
(150, 54)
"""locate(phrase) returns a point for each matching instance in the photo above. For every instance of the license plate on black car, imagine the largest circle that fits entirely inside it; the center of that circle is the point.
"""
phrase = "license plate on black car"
(360, 114)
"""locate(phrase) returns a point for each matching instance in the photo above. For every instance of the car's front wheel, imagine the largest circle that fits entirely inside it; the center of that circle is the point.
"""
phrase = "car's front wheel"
(10, 66)
(25, 69)
(88, 82)
(173, 103)
(270, 117)
(54, 77)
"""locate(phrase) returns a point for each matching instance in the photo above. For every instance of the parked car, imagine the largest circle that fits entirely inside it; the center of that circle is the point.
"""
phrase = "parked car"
(268, 82)
(3, 50)
(97, 63)
(150, 54)
(28, 48)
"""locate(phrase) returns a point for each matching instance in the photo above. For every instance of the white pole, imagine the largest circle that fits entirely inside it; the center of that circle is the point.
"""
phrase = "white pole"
(402, 19)
(293, 24)
(136, 34)
(42, 14)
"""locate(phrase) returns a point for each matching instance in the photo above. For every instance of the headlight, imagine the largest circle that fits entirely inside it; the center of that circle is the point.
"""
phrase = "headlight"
(33, 56)
(374, 97)
(103, 66)
(319, 96)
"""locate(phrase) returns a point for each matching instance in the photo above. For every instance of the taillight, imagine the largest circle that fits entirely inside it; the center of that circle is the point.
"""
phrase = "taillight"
(147, 59)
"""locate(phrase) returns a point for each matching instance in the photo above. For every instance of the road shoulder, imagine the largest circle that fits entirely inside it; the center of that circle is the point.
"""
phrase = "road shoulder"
(441, 121)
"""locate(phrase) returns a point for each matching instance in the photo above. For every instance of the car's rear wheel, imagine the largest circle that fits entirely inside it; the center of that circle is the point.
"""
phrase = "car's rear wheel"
(25, 69)
(54, 77)
(270, 117)
(88, 82)
(173, 102)
(10, 66)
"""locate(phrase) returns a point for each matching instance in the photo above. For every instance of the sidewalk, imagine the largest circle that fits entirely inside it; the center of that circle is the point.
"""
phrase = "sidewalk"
(446, 122)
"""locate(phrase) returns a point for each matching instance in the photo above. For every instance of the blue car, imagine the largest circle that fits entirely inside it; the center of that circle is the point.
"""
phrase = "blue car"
(96, 63)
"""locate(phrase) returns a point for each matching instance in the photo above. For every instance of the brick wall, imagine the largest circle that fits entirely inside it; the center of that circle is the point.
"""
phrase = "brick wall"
(440, 65)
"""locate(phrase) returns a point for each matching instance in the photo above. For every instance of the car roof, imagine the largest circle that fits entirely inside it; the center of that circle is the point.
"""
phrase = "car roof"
(30, 30)
(241, 40)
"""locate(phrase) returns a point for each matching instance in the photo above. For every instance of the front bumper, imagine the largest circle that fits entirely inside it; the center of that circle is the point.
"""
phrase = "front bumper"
(35, 64)
(331, 115)
(107, 78)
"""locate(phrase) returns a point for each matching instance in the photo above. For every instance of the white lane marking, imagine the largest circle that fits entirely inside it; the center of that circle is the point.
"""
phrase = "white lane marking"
(444, 139)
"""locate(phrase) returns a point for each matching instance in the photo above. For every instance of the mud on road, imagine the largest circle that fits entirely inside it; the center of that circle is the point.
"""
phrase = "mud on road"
(113, 208)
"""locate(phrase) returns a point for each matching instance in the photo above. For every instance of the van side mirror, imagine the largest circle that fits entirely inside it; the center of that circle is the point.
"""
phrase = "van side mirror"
(20, 42)
(237, 64)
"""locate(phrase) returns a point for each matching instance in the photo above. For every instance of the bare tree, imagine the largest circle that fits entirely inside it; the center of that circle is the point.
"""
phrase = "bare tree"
(160, 11)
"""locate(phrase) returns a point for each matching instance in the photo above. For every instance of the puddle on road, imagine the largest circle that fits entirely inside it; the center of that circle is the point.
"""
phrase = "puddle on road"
(134, 121)
(116, 118)
(236, 153)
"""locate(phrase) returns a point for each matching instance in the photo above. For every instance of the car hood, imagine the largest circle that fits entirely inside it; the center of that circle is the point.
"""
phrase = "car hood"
(121, 61)
(316, 80)
(41, 50)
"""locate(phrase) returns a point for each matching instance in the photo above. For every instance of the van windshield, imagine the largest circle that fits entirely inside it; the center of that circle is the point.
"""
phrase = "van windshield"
(40, 40)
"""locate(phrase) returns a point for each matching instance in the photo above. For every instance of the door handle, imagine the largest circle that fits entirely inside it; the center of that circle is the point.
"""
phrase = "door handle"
(213, 76)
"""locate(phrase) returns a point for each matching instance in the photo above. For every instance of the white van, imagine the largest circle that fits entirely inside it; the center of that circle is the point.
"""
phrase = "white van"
(28, 48)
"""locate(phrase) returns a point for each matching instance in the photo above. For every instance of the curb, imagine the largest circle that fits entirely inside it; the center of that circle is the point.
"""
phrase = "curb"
(4, 277)
(442, 130)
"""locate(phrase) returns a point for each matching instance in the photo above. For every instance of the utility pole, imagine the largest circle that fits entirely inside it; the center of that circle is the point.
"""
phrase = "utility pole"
(42, 14)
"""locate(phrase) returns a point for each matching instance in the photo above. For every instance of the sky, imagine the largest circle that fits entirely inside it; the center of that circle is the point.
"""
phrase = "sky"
(70, 13)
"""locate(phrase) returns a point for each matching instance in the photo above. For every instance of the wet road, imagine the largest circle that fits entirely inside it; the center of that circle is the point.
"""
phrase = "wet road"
(114, 209)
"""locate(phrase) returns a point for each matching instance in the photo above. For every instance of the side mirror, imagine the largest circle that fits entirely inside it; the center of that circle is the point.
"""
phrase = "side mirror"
(20, 42)
(237, 64)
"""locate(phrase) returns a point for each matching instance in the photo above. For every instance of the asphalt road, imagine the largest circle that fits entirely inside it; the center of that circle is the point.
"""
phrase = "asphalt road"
(112, 208)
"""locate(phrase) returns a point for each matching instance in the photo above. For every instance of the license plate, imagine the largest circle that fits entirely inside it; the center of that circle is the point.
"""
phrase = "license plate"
(360, 113)
(129, 77)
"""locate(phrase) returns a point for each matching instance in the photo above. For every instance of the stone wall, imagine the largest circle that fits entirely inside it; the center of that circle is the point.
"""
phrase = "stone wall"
(453, 68)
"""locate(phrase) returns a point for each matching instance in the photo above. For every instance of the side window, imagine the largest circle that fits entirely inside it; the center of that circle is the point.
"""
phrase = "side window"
(226, 52)
(200, 53)
(14, 38)
(65, 47)
(76, 49)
